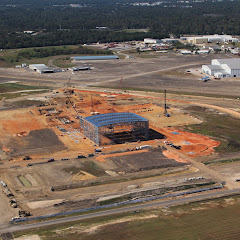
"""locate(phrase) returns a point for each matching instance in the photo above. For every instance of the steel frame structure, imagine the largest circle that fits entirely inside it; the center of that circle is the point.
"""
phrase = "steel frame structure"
(96, 126)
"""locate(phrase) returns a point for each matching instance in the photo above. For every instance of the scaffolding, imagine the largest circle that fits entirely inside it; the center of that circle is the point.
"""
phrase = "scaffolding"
(97, 126)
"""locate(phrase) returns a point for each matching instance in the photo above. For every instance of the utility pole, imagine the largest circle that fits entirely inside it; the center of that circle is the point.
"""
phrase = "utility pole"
(92, 103)
(121, 83)
(165, 104)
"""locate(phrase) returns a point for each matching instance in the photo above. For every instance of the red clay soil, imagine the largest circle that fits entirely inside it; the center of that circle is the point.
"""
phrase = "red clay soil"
(18, 125)
(193, 145)
(21, 122)
(174, 156)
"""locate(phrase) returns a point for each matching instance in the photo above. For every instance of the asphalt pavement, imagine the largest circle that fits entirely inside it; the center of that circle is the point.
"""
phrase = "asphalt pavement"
(171, 202)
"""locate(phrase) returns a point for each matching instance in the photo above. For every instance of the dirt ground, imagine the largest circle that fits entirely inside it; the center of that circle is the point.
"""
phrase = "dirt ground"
(52, 131)
(6, 211)
(193, 145)
(38, 198)
(228, 169)
(41, 132)
(130, 163)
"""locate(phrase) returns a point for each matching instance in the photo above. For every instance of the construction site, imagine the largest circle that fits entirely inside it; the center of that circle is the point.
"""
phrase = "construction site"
(82, 148)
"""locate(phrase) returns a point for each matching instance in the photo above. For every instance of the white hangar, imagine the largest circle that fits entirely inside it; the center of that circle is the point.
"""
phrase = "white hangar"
(223, 68)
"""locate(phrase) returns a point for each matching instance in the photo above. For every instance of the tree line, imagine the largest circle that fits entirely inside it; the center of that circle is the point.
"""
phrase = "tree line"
(54, 51)
(65, 25)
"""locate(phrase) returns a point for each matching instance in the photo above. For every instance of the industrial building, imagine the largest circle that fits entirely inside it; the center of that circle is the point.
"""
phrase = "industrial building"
(41, 68)
(223, 68)
(202, 51)
(210, 39)
(80, 68)
(115, 127)
(185, 52)
(105, 57)
(170, 40)
(151, 41)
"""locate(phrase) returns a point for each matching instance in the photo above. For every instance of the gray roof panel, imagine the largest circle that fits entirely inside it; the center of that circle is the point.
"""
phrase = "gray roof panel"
(215, 67)
(113, 118)
(233, 63)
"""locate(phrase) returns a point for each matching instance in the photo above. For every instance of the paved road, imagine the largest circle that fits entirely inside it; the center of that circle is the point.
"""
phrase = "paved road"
(171, 202)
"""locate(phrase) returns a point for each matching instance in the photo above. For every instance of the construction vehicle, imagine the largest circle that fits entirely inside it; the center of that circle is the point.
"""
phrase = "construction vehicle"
(51, 160)
(26, 157)
(23, 213)
(13, 203)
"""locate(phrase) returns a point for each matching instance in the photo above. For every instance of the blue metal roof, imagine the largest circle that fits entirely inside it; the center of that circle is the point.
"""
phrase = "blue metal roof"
(112, 118)
(105, 57)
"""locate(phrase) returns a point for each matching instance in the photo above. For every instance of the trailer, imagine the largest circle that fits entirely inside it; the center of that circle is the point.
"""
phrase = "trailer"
(144, 147)
(205, 79)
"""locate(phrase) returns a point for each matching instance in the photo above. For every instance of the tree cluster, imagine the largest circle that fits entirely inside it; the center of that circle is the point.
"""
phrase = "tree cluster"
(65, 25)
(53, 51)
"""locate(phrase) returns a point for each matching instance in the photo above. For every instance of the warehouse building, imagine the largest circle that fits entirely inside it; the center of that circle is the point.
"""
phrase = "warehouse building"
(41, 68)
(185, 52)
(170, 40)
(80, 68)
(210, 39)
(151, 41)
(223, 68)
(117, 127)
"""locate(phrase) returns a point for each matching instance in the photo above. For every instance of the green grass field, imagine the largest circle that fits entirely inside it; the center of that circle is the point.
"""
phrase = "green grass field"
(223, 128)
(231, 160)
(144, 89)
(24, 181)
(12, 57)
(8, 58)
(15, 95)
(13, 87)
(27, 103)
(10, 91)
(207, 220)
(63, 62)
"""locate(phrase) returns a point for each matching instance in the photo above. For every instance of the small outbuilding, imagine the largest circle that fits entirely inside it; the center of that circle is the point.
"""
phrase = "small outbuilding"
(185, 52)
(80, 68)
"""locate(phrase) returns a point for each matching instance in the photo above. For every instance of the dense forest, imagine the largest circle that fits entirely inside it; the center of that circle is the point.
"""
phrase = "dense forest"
(54, 51)
(55, 22)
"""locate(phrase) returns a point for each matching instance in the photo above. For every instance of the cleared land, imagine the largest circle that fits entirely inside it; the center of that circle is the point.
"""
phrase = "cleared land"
(52, 131)
(119, 170)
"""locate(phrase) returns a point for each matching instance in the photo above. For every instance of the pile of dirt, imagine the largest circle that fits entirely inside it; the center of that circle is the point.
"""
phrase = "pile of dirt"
(82, 175)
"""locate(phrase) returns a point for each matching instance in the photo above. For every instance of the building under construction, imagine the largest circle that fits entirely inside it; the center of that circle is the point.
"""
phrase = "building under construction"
(115, 128)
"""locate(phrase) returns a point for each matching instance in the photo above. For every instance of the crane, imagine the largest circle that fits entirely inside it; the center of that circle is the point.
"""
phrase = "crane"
(166, 114)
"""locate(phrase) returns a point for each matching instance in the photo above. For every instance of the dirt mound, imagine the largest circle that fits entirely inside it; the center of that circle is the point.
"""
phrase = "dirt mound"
(82, 175)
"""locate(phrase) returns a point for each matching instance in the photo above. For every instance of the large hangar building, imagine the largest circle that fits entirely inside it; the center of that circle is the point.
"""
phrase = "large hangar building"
(115, 128)
(223, 68)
